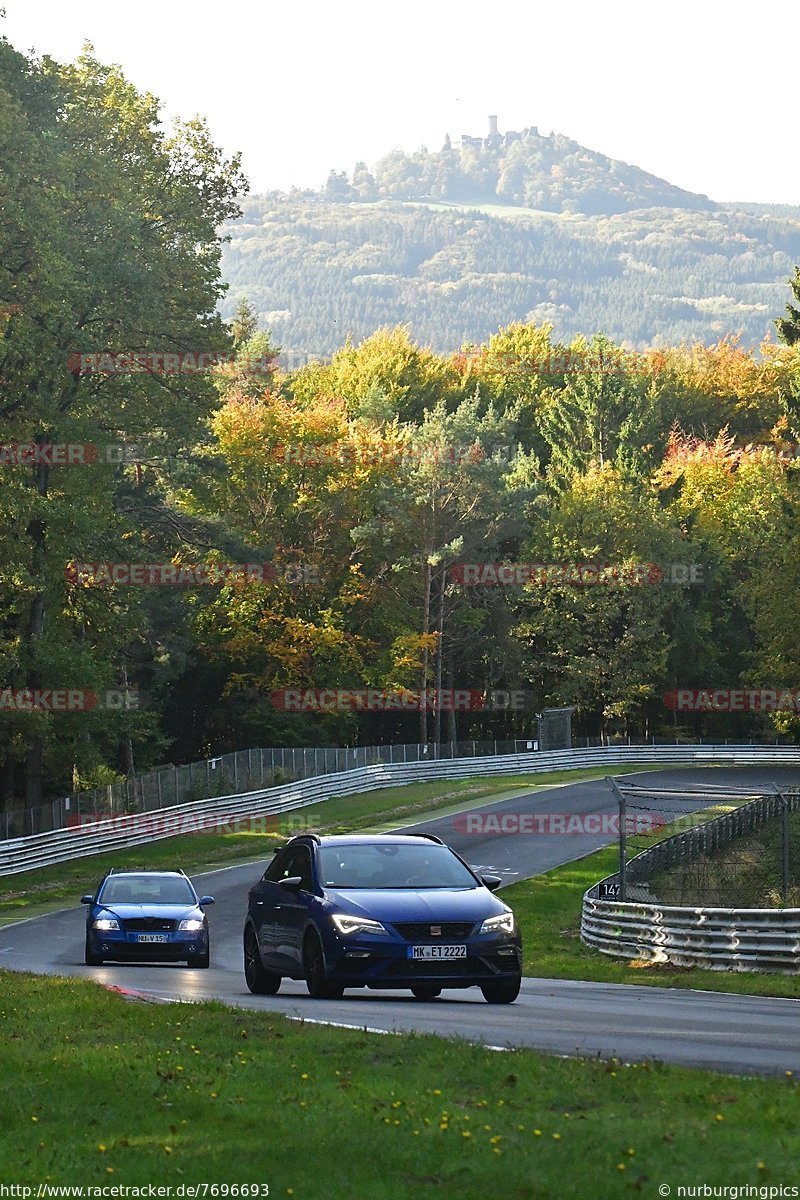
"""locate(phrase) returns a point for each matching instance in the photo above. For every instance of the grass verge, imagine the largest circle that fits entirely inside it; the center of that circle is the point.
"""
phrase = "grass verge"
(34, 892)
(110, 1092)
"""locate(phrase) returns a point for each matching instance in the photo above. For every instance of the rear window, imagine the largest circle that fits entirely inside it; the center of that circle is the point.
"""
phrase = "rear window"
(143, 889)
(383, 865)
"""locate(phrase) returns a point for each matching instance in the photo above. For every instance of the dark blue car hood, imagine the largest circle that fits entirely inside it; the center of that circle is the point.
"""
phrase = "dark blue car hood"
(170, 912)
(409, 904)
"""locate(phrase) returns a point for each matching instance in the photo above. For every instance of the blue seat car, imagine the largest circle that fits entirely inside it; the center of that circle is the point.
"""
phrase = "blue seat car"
(146, 916)
(379, 911)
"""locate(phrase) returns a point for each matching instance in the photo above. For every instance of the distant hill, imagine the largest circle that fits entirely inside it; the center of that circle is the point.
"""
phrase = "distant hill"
(525, 168)
(510, 227)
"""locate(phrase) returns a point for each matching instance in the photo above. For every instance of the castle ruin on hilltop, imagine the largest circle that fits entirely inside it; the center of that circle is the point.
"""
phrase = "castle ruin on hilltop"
(493, 138)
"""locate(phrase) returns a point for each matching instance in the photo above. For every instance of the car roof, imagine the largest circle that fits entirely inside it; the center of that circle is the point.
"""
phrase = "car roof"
(117, 874)
(367, 839)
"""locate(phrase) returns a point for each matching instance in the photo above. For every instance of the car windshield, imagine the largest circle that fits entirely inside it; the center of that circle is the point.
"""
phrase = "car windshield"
(144, 889)
(383, 865)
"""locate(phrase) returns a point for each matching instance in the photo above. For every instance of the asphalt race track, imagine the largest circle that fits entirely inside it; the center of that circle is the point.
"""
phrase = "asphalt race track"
(737, 1034)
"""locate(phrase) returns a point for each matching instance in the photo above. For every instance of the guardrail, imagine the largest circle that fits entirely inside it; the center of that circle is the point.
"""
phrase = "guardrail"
(723, 939)
(231, 774)
(251, 770)
(46, 849)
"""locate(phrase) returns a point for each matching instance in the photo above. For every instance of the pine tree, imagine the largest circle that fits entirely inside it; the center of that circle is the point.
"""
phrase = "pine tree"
(789, 326)
(245, 322)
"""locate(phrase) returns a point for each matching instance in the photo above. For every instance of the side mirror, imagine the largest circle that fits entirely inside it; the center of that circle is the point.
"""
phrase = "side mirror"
(292, 883)
(492, 882)
(87, 899)
(207, 900)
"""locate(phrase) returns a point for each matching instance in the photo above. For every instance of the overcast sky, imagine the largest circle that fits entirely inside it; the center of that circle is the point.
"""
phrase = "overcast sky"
(700, 92)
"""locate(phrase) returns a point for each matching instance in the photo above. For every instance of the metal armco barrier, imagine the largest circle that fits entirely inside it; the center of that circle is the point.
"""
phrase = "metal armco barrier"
(721, 939)
(45, 849)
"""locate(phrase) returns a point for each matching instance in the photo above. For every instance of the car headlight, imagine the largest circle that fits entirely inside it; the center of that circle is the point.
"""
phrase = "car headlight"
(105, 923)
(191, 923)
(347, 924)
(502, 924)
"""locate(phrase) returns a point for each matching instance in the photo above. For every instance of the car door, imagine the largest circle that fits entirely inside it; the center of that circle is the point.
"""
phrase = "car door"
(291, 911)
(264, 899)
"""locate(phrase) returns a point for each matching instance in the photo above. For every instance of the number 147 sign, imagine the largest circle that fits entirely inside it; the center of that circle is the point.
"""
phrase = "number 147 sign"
(608, 891)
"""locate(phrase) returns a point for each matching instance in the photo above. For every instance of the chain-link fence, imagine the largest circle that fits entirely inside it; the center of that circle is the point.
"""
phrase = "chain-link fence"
(250, 770)
(231, 774)
(711, 847)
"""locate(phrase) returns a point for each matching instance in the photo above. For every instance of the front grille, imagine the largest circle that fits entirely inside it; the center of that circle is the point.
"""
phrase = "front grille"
(450, 931)
(131, 952)
(150, 925)
(445, 968)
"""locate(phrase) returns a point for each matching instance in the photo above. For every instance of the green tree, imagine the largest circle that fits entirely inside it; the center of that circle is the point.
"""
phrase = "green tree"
(122, 254)
(603, 647)
(789, 326)
(742, 505)
(457, 496)
(601, 416)
(245, 322)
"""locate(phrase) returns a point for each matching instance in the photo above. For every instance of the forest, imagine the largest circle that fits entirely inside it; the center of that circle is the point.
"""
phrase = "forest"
(318, 271)
(514, 227)
(193, 521)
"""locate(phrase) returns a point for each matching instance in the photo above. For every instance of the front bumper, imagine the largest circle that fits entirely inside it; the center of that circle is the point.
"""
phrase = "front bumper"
(384, 963)
(126, 947)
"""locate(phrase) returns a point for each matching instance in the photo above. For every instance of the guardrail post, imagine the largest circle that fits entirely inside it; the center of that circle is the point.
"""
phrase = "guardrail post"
(623, 840)
(785, 840)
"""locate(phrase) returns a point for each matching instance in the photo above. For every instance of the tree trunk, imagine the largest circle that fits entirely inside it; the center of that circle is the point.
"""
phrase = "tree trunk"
(36, 531)
(450, 715)
(437, 724)
(426, 620)
(7, 781)
(127, 743)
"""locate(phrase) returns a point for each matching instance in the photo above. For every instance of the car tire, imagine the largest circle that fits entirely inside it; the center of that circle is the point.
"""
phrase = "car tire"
(501, 991)
(425, 992)
(90, 958)
(317, 982)
(260, 981)
(200, 960)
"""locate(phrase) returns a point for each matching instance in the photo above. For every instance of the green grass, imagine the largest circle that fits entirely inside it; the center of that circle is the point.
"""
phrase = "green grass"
(107, 1092)
(31, 893)
(548, 908)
